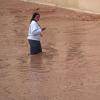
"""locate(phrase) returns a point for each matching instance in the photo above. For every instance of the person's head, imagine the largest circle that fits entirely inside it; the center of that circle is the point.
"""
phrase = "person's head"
(36, 16)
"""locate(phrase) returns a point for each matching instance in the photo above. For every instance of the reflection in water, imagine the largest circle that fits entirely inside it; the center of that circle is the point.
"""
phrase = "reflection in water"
(42, 62)
(37, 64)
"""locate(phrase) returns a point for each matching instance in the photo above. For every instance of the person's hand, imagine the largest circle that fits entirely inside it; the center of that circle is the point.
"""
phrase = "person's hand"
(41, 34)
(43, 28)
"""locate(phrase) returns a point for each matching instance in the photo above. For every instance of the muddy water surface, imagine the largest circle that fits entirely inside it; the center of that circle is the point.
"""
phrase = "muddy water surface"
(68, 68)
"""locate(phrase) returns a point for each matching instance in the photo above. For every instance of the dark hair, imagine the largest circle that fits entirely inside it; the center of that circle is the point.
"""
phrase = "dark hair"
(34, 15)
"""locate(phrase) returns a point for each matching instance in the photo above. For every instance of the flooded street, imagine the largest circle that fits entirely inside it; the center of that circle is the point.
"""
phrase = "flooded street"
(68, 68)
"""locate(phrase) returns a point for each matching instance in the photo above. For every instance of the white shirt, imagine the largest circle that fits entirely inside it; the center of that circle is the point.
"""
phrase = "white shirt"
(34, 31)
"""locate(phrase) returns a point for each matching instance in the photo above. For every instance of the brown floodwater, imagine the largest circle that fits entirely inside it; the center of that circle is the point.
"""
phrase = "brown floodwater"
(68, 68)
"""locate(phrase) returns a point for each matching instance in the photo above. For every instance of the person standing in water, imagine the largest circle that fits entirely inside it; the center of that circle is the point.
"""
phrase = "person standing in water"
(34, 34)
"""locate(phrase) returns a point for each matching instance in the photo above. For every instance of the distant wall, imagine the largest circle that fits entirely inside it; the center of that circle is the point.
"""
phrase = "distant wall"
(90, 5)
(85, 5)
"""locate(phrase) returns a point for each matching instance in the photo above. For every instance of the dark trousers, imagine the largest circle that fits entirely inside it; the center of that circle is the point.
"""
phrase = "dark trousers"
(35, 47)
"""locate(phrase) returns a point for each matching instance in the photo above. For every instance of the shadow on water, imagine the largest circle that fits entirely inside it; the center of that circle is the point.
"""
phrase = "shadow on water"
(76, 40)
(74, 51)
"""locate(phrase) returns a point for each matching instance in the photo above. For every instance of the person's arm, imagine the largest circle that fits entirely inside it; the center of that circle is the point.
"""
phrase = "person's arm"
(35, 30)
